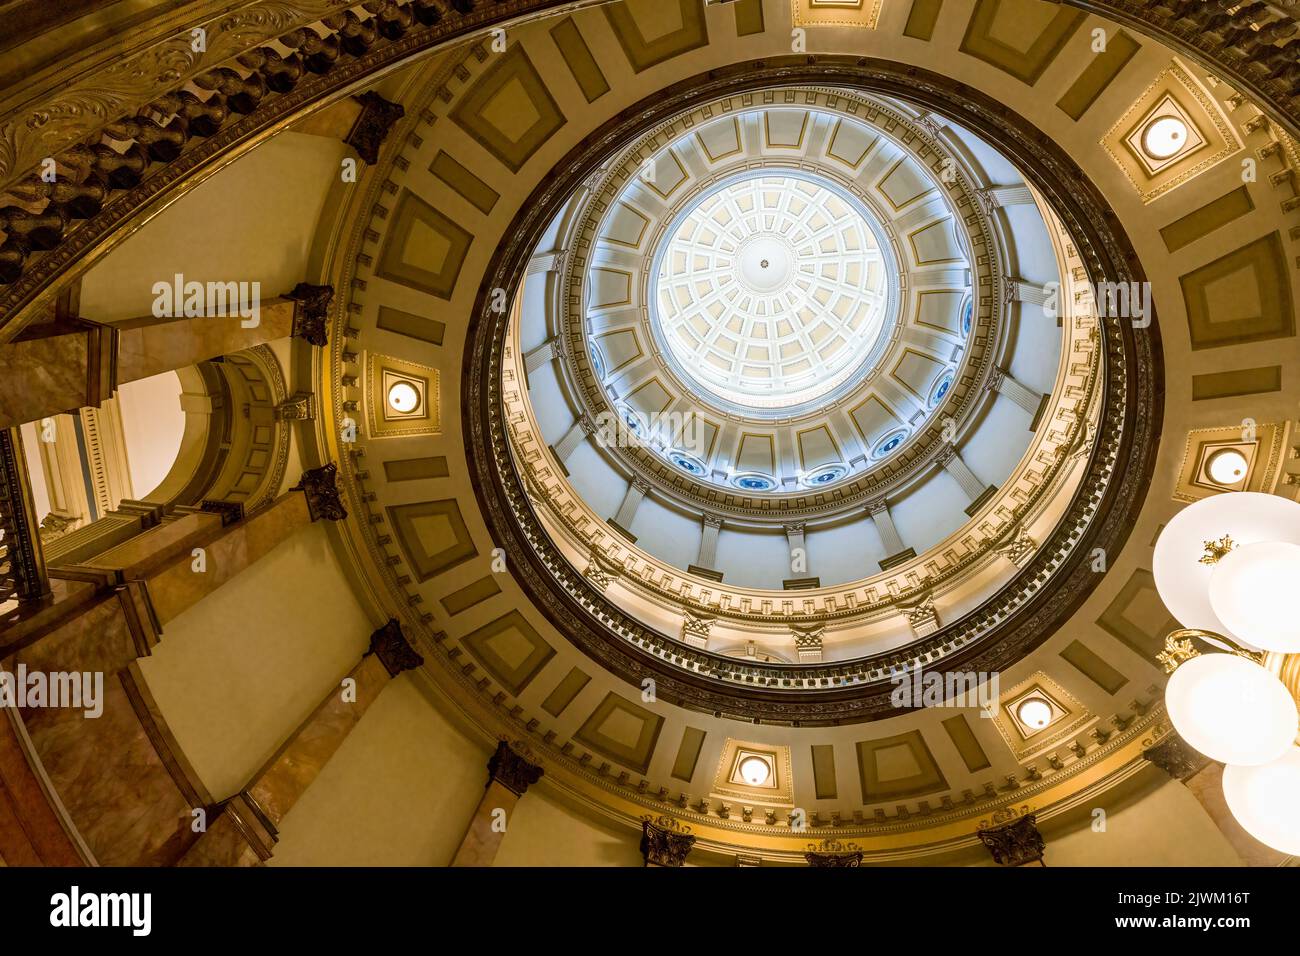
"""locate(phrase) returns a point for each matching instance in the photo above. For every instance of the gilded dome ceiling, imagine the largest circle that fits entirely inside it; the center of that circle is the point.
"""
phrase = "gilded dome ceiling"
(684, 390)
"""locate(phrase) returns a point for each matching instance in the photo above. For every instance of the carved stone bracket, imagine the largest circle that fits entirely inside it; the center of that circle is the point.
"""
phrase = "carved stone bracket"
(596, 573)
(299, 407)
(1175, 757)
(665, 842)
(323, 501)
(695, 630)
(390, 645)
(311, 314)
(230, 511)
(371, 127)
(1015, 843)
(1019, 548)
(808, 644)
(833, 853)
(512, 770)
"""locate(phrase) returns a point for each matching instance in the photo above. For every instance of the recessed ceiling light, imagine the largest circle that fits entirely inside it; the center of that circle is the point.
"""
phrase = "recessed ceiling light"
(1034, 713)
(1226, 467)
(1164, 137)
(403, 397)
(755, 771)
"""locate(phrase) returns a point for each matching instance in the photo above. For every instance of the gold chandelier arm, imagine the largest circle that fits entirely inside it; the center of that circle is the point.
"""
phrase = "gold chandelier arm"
(1179, 647)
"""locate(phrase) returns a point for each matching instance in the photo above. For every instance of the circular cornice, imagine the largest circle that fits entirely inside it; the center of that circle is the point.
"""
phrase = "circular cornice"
(1019, 617)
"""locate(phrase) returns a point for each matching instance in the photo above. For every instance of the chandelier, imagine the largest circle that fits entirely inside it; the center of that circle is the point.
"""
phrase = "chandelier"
(1225, 568)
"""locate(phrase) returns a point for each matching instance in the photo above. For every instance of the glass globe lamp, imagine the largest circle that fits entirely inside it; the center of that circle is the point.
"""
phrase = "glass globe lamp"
(1248, 593)
(1183, 565)
(1231, 709)
(1265, 799)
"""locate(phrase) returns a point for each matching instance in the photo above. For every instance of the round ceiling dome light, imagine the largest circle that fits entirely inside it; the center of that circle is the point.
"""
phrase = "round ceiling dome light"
(940, 389)
(403, 398)
(826, 475)
(1034, 713)
(753, 481)
(1247, 592)
(755, 771)
(889, 443)
(1226, 467)
(1264, 799)
(1164, 137)
(772, 291)
(1231, 709)
(688, 463)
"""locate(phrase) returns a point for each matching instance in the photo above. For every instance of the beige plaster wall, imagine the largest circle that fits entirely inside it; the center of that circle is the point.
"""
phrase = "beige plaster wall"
(238, 672)
(399, 792)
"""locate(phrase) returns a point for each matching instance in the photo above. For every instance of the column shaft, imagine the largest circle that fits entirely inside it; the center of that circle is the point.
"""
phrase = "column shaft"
(1023, 396)
(885, 526)
(510, 774)
(964, 476)
(631, 501)
(242, 833)
(567, 445)
(709, 531)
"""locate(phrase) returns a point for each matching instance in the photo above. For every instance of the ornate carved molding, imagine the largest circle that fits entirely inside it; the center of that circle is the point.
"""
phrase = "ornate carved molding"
(390, 645)
(665, 841)
(356, 44)
(323, 500)
(512, 770)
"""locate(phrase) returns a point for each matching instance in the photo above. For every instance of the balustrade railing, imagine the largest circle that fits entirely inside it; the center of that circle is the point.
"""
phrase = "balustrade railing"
(22, 565)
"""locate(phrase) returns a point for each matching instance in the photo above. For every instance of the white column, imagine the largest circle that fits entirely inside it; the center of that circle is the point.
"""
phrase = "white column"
(1018, 290)
(879, 511)
(795, 541)
(1000, 196)
(1025, 397)
(631, 501)
(710, 526)
(540, 356)
(567, 445)
(953, 464)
